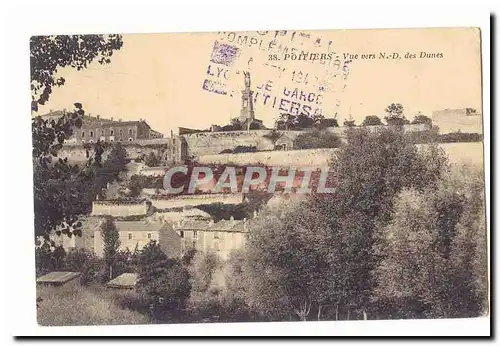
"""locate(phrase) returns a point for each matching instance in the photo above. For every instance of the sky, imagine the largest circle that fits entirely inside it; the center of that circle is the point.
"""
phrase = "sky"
(161, 77)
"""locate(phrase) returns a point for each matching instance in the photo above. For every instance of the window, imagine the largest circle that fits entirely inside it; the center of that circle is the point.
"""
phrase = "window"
(130, 236)
(130, 139)
(217, 246)
(149, 235)
(130, 132)
(182, 234)
(83, 134)
(216, 235)
(91, 133)
(112, 132)
(194, 244)
(195, 234)
(102, 133)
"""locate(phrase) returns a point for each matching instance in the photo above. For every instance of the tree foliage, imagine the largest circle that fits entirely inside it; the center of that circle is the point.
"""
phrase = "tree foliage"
(317, 139)
(151, 160)
(163, 283)
(371, 120)
(431, 253)
(371, 169)
(395, 115)
(49, 54)
(111, 242)
(287, 265)
(59, 187)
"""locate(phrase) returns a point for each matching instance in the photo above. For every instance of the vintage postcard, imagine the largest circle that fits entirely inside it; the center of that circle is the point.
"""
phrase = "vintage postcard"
(259, 176)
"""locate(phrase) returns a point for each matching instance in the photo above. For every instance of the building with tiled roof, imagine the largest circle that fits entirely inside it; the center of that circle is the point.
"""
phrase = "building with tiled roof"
(137, 234)
(221, 237)
(95, 129)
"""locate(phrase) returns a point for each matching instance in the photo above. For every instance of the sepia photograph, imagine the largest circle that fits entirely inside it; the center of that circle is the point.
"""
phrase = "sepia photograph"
(258, 176)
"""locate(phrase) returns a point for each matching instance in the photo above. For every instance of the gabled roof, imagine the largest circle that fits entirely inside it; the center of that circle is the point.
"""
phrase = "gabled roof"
(142, 225)
(201, 225)
(284, 137)
(227, 225)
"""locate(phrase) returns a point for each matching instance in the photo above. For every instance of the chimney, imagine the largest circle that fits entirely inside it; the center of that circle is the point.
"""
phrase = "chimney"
(120, 120)
(111, 118)
(64, 110)
(98, 116)
(90, 114)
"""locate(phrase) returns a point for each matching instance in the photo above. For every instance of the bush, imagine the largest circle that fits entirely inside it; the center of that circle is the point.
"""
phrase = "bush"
(460, 137)
(317, 139)
(244, 149)
(151, 160)
(371, 120)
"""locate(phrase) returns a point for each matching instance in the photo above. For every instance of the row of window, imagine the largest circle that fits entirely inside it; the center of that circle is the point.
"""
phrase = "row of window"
(130, 235)
(111, 140)
(195, 234)
(112, 133)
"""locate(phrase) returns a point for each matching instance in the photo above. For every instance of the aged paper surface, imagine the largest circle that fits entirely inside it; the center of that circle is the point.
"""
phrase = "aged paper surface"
(259, 176)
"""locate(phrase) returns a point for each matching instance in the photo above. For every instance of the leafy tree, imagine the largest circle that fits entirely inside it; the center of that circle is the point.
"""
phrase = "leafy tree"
(204, 300)
(48, 54)
(349, 123)
(151, 160)
(287, 264)
(111, 241)
(395, 110)
(286, 121)
(254, 126)
(430, 251)
(370, 170)
(421, 119)
(371, 120)
(317, 139)
(163, 283)
(59, 186)
(395, 114)
(327, 122)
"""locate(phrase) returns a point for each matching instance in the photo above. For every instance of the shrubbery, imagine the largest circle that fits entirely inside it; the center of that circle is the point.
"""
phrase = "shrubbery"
(317, 139)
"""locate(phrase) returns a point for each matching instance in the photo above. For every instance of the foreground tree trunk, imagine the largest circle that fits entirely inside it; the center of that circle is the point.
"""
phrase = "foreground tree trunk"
(303, 311)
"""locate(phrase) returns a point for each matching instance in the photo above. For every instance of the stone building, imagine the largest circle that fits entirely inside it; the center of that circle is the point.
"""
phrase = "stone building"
(107, 130)
(284, 142)
(221, 237)
(139, 233)
(176, 150)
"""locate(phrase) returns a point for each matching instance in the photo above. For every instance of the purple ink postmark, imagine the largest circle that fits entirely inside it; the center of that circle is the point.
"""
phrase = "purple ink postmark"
(214, 86)
(224, 54)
